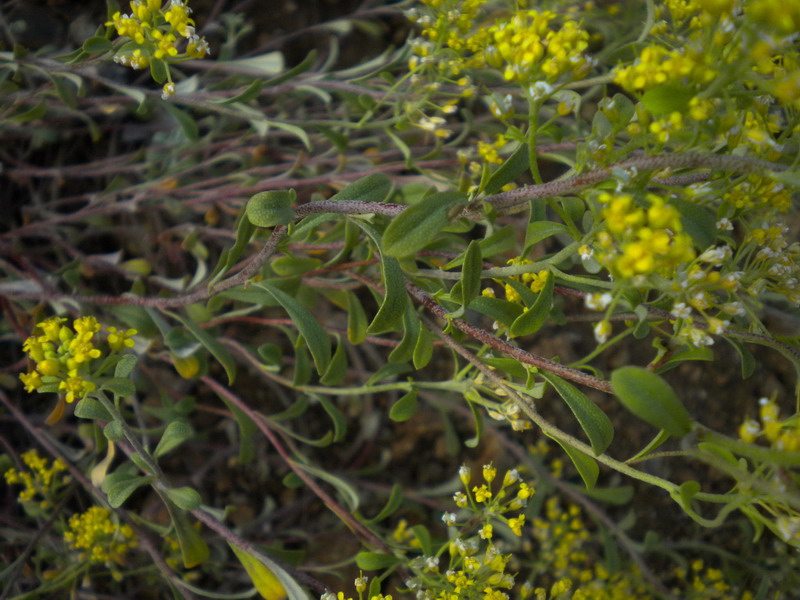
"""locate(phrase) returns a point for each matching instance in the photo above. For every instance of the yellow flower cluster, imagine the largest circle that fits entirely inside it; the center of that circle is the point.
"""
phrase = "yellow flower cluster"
(781, 434)
(157, 32)
(528, 47)
(642, 238)
(64, 355)
(534, 281)
(42, 479)
(566, 567)
(784, 17)
(525, 47)
(656, 66)
(101, 539)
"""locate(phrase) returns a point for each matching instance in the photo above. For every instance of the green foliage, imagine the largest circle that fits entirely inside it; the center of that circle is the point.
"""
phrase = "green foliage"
(590, 197)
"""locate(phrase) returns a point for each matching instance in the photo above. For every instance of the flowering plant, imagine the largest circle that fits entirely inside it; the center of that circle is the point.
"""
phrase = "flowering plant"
(508, 311)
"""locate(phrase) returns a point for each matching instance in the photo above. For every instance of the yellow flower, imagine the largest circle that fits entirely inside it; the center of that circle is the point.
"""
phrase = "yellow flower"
(32, 381)
(119, 340)
(516, 524)
(489, 473)
(482, 493)
(102, 540)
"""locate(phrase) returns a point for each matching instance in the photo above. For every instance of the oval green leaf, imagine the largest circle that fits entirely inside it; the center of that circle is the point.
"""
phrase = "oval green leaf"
(404, 408)
(268, 209)
(184, 497)
(174, 435)
(651, 399)
(587, 467)
(418, 225)
(594, 422)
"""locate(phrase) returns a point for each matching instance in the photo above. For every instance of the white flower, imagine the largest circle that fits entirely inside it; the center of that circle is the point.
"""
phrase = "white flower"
(681, 311)
(718, 326)
(733, 308)
(601, 331)
(597, 301)
(169, 90)
(449, 518)
(540, 90)
(700, 338)
(724, 224)
(716, 255)
(586, 252)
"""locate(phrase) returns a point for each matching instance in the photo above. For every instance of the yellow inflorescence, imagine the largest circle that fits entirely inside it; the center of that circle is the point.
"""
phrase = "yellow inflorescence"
(642, 238)
(159, 33)
(42, 479)
(656, 66)
(65, 354)
(101, 540)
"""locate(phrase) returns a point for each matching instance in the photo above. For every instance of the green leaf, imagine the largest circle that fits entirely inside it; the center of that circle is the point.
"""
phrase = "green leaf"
(134, 93)
(499, 310)
(685, 493)
(411, 327)
(651, 399)
(159, 70)
(423, 349)
(390, 314)
(375, 561)
(594, 422)
(114, 431)
(339, 422)
(96, 45)
(125, 365)
(120, 386)
(541, 230)
(392, 504)
(229, 256)
(404, 408)
(477, 418)
(348, 492)
(719, 452)
(471, 273)
(587, 466)
(697, 221)
(184, 120)
(745, 358)
(318, 342)
(668, 98)
(418, 225)
(337, 367)
(90, 408)
(531, 320)
(268, 209)
(270, 63)
(514, 166)
(194, 549)
(288, 266)
(661, 437)
(372, 188)
(424, 538)
(250, 93)
(174, 435)
(119, 491)
(618, 496)
(212, 345)
(184, 497)
(298, 408)
(356, 320)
